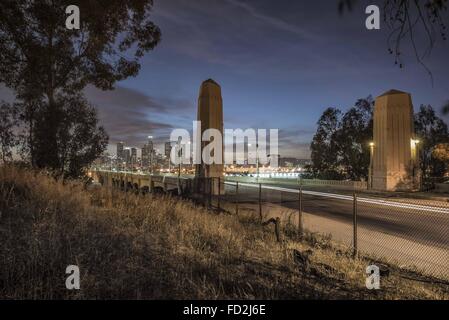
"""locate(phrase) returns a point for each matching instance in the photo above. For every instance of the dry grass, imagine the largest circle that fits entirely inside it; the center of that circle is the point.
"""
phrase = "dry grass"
(137, 247)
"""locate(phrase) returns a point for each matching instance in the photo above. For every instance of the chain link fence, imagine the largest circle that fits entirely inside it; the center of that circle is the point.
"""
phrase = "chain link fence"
(410, 233)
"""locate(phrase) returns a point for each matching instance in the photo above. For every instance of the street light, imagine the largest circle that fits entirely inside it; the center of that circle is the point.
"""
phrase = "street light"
(151, 158)
(249, 145)
(179, 150)
(190, 154)
(414, 146)
(370, 173)
(257, 160)
(414, 143)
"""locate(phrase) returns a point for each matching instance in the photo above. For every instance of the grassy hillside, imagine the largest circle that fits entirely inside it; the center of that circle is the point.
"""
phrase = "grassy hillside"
(138, 247)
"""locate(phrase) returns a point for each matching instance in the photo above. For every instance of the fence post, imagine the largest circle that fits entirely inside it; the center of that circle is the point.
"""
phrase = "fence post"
(277, 229)
(300, 220)
(178, 185)
(219, 194)
(354, 225)
(237, 198)
(210, 191)
(260, 202)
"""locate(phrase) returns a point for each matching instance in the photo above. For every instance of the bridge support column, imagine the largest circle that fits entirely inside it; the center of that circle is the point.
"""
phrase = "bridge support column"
(210, 115)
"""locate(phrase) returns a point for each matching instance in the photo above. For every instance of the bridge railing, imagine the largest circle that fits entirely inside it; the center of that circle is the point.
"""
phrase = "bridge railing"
(354, 185)
(339, 184)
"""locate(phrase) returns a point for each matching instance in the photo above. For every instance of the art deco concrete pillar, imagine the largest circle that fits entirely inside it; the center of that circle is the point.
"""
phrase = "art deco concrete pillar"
(210, 113)
(395, 160)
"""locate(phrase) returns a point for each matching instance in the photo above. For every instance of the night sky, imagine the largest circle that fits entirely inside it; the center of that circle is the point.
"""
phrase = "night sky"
(279, 63)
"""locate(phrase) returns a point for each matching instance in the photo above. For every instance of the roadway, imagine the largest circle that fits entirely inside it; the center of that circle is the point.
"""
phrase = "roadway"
(419, 223)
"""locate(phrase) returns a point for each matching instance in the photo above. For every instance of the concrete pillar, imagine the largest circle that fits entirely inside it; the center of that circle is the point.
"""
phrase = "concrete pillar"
(394, 143)
(210, 113)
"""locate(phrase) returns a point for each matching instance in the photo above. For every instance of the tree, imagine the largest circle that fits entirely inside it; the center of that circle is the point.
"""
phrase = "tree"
(48, 65)
(441, 152)
(340, 147)
(431, 131)
(446, 108)
(404, 18)
(30, 107)
(79, 139)
(354, 133)
(323, 148)
(8, 121)
(83, 128)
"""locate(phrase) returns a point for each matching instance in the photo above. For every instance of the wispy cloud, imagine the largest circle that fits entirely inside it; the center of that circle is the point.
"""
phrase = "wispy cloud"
(273, 21)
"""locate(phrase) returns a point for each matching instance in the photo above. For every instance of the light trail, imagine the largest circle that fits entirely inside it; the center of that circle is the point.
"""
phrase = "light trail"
(386, 203)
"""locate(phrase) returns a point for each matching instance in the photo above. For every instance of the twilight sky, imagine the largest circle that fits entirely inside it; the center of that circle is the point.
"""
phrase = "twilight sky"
(279, 63)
